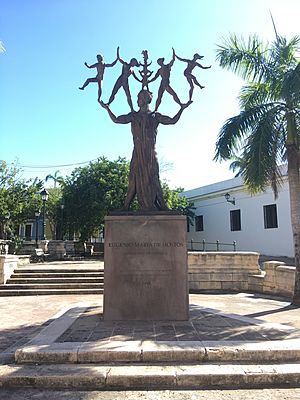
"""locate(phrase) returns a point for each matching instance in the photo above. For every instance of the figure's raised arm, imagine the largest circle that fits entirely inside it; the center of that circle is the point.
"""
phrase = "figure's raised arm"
(201, 66)
(166, 120)
(155, 76)
(91, 66)
(113, 63)
(118, 56)
(135, 77)
(181, 59)
(173, 59)
(121, 119)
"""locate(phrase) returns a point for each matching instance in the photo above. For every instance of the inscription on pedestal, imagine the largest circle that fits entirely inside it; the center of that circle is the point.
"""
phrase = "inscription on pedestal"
(145, 274)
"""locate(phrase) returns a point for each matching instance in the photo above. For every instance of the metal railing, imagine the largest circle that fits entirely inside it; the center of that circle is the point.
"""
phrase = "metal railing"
(193, 245)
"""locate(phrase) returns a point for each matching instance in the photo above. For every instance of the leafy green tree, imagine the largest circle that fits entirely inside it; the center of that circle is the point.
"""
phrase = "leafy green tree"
(53, 210)
(19, 199)
(267, 130)
(91, 192)
(176, 202)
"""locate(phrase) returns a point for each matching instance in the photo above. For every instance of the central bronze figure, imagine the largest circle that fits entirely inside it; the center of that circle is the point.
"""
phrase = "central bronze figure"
(144, 170)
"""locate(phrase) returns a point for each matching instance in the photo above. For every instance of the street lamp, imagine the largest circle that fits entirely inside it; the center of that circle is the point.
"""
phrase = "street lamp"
(37, 214)
(228, 199)
(44, 195)
(62, 206)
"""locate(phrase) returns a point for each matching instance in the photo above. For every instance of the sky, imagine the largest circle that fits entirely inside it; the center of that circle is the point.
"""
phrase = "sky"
(47, 124)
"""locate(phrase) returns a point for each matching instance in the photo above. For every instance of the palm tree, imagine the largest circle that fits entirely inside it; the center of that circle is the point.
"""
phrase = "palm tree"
(267, 130)
(1, 47)
(237, 164)
(57, 179)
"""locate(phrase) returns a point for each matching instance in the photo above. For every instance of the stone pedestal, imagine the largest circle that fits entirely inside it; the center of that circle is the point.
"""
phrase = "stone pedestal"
(145, 273)
(56, 249)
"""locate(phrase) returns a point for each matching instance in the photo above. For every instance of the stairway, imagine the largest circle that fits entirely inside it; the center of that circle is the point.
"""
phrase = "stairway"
(54, 280)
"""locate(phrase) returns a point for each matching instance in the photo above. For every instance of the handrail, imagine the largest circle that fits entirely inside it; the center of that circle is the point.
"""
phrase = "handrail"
(192, 245)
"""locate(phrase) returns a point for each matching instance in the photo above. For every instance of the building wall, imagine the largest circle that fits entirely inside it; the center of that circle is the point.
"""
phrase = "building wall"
(211, 203)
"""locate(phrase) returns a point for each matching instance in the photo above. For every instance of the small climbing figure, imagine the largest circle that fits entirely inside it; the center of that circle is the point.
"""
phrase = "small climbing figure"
(100, 66)
(164, 72)
(122, 81)
(191, 64)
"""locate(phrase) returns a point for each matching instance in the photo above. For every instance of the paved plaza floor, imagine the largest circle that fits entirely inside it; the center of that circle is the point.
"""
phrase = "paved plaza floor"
(241, 316)
(76, 321)
(213, 317)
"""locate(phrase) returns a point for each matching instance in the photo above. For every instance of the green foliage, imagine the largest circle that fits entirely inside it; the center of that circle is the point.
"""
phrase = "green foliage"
(53, 209)
(269, 119)
(93, 191)
(176, 202)
(267, 130)
(19, 199)
(56, 178)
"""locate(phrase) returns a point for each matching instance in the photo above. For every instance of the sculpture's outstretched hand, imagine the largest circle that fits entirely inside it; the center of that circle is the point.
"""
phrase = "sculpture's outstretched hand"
(102, 104)
(183, 106)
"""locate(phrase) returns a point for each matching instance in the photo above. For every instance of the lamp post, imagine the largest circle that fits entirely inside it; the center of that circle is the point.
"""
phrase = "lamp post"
(62, 206)
(7, 217)
(44, 194)
(37, 214)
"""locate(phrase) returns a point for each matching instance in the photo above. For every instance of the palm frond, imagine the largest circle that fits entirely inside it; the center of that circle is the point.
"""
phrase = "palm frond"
(283, 53)
(238, 164)
(248, 60)
(236, 129)
(254, 94)
(291, 86)
(261, 154)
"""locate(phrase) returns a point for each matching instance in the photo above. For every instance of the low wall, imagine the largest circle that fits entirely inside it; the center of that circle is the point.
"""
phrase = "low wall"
(8, 263)
(224, 271)
(239, 271)
(277, 278)
(24, 259)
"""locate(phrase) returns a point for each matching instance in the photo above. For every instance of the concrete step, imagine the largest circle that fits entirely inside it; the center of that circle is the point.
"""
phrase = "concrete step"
(80, 279)
(60, 285)
(57, 271)
(47, 281)
(59, 275)
(166, 376)
(37, 292)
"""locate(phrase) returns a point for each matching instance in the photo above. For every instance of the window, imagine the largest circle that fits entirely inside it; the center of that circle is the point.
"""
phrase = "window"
(270, 216)
(187, 224)
(28, 231)
(235, 220)
(199, 223)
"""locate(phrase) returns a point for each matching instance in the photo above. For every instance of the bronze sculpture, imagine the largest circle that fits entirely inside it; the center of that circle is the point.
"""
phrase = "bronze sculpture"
(144, 180)
(122, 81)
(164, 72)
(191, 64)
(144, 170)
(145, 73)
(100, 66)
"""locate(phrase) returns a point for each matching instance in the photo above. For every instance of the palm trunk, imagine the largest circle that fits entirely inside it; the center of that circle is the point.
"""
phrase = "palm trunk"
(294, 188)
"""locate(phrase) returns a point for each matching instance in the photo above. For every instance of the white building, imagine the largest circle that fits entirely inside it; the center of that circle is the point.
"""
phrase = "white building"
(255, 222)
